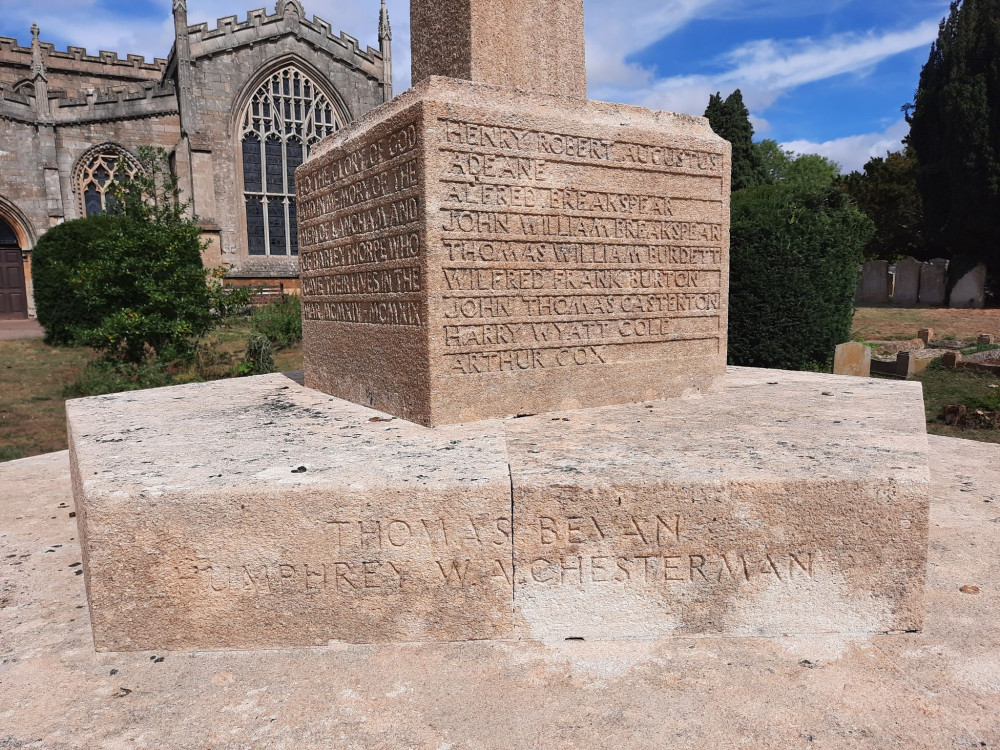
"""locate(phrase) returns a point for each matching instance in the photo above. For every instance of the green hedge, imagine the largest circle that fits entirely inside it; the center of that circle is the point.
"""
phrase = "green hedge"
(794, 270)
(130, 288)
(55, 269)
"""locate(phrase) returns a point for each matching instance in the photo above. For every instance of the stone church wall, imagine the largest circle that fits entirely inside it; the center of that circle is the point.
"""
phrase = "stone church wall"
(191, 104)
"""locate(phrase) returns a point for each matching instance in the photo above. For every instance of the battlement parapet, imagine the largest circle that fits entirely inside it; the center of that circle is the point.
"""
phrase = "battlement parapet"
(76, 59)
(230, 33)
(112, 103)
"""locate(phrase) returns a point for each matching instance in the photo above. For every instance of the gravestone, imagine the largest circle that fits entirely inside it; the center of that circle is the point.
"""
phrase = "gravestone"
(876, 283)
(933, 284)
(970, 291)
(853, 358)
(472, 251)
(906, 285)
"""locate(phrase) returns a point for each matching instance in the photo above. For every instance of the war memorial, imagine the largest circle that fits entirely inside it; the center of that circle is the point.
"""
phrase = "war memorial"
(518, 499)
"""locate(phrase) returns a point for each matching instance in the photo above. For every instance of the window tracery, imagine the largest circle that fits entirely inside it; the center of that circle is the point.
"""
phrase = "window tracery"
(284, 119)
(100, 170)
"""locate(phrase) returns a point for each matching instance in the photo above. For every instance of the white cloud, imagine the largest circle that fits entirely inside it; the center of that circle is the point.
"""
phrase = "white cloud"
(613, 33)
(853, 152)
(766, 69)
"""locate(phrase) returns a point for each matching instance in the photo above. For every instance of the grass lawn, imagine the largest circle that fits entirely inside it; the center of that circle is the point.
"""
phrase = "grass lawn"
(943, 387)
(33, 377)
(888, 323)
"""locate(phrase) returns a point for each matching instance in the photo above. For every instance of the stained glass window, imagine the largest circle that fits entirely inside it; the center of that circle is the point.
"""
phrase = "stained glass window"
(285, 118)
(98, 172)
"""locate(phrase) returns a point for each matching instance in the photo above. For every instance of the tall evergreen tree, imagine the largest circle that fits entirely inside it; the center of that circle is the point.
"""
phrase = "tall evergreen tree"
(730, 119)
(886, 191)
(955, 134)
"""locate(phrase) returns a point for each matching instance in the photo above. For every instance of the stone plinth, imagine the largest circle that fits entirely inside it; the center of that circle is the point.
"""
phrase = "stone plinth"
(470, 252)
(257, 513)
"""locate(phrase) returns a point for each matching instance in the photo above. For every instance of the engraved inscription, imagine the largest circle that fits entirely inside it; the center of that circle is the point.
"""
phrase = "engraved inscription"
(547, 267)
(648, 550)
(377, 557)
(360, 255)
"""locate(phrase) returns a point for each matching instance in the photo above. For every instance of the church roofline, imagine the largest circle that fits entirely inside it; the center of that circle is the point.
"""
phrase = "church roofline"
(115, 103)
(10, 50)
(230, 33)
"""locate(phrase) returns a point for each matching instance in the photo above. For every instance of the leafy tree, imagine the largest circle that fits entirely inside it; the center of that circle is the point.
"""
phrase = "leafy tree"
(130, 283)
(886, 191)
(794, 270)
(810, 171)
(955, 135)
(730, 119)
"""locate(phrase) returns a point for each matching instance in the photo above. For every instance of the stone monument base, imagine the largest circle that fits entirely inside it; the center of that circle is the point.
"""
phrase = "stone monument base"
(257, 513)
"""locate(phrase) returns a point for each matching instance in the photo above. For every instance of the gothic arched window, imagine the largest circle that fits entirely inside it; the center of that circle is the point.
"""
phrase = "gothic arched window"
(98, 171)
(285, 118)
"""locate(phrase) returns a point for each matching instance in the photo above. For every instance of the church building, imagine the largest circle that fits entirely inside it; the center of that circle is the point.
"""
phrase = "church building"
(237, 107)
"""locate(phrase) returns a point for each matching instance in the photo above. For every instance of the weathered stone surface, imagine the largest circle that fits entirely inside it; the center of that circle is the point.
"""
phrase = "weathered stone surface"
(876, 284)
(852, 358)
(933, 284)
(793, 507)
(969, 292)
(470, 252)
(952, 359)
(906, 284)
(257, 513)
(926, 691)
(531, 45)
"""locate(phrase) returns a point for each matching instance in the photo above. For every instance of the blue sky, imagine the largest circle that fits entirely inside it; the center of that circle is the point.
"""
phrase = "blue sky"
(819, 76)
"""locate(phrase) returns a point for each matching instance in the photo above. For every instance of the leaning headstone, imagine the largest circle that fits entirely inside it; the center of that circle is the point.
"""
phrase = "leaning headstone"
(933, 284)
(475, 250)
(970, 291)
(952, 360)
(906, 286)
(876, 283)
(925, 335)
(853, 358)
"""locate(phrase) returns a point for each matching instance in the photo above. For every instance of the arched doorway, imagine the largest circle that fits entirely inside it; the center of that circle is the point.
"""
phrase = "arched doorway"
(13, 294)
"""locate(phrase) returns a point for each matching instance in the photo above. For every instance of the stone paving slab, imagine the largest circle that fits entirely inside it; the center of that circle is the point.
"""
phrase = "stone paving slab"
(15, 330)
(938, 689)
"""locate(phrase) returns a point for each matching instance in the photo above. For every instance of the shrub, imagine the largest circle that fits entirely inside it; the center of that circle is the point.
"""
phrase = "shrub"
(55, 267)
(129, 283)
(228, 300)
(280, 322)
(794, 270)
(258, 359)
(106, 376)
